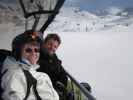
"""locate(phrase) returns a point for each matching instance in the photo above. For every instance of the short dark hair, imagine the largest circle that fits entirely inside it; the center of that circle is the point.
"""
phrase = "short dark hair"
(53, 36)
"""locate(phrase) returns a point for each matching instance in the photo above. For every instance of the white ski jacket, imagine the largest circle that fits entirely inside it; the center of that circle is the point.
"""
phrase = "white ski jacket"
(15, 86)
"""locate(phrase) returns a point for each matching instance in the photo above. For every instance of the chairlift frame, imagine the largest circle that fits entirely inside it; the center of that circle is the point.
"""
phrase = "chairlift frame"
(51, 17)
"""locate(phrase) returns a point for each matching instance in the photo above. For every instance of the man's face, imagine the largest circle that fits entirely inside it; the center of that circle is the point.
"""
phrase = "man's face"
(51, 45)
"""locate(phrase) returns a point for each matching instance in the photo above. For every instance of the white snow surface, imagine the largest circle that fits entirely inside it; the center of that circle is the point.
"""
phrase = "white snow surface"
(104, 60)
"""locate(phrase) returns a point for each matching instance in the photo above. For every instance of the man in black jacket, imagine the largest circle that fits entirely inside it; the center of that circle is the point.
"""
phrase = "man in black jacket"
(50, 64)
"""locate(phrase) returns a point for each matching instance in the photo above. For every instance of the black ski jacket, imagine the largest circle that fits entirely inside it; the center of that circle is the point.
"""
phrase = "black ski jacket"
(52, 66)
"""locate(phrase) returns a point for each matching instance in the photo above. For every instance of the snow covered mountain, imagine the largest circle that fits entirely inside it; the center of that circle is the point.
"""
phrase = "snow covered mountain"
(72, 19)
(75, 20)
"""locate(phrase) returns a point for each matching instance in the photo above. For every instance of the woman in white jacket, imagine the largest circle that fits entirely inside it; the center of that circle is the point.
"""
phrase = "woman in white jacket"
(14, 82)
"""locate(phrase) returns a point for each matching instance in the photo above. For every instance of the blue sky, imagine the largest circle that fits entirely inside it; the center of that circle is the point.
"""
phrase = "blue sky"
(99, 4)
(94, 5)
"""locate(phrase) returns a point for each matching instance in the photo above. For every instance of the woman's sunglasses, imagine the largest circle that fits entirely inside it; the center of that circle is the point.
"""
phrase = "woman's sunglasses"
(29, 50)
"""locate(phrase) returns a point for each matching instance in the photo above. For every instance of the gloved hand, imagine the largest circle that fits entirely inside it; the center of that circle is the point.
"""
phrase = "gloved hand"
(86, 85)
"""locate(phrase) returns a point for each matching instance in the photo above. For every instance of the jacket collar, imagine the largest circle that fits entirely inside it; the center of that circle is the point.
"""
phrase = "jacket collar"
(11, 63)
(27, 65)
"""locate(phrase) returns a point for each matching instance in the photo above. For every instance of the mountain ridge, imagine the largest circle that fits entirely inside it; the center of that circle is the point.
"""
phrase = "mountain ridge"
(73, 18)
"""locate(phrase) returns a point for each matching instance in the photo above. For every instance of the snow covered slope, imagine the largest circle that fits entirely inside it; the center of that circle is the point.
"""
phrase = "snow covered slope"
(74, 20)
(103, 59)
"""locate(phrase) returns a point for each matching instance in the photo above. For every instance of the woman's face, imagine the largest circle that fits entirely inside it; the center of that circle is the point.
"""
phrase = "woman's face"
(31, 52)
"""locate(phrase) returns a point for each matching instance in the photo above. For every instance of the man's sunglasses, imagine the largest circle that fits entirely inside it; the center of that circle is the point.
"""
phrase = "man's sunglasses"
(29, 50)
